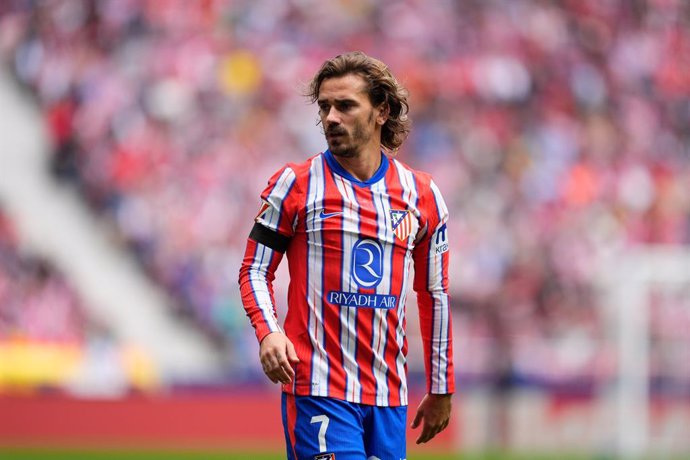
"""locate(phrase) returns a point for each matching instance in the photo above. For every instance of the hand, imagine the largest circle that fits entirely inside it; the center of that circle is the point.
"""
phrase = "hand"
(277, 354)
(434, 410)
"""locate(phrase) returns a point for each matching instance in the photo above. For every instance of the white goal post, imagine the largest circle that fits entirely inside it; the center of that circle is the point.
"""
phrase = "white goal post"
(627, 279)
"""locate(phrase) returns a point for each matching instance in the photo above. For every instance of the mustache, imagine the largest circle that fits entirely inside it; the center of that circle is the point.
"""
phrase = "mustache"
(336, 131)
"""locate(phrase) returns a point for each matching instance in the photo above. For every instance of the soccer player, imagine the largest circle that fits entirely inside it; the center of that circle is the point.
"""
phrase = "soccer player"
(352, 221)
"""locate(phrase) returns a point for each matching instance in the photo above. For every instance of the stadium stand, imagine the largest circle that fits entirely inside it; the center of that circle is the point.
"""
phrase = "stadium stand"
(34, 299)
(47, 341)
(557, 131)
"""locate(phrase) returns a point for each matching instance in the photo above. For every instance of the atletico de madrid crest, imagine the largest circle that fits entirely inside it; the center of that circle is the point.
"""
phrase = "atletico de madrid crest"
(402, 223)
(262, 210)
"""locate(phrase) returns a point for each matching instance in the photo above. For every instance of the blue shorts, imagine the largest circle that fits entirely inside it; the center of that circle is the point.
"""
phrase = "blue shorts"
(318, 428)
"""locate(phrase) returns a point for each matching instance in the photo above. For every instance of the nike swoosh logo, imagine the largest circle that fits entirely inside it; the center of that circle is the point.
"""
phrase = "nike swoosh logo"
(323, 215)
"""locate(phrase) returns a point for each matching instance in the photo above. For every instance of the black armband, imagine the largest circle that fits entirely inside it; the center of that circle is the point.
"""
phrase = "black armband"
(267, 237)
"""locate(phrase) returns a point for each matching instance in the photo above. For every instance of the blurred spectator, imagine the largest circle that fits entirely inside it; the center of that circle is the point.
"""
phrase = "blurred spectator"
(557, 131)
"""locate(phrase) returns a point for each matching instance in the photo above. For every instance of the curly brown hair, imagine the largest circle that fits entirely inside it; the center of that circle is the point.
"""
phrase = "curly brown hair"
(382, 88)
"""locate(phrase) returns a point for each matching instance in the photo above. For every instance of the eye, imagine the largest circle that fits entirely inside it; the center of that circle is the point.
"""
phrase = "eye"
(323, 107)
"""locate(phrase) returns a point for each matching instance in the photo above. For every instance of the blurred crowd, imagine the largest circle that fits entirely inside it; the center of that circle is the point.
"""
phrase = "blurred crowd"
(47, 338)
(35, 300)
(558, 131)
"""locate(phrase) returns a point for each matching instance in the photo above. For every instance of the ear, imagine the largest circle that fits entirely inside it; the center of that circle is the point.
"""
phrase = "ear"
(382, 112)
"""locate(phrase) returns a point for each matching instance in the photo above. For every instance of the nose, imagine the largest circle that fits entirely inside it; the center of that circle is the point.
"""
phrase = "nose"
(333, 116)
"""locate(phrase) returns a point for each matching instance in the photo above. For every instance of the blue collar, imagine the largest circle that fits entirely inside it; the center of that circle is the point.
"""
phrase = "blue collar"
(339, 170)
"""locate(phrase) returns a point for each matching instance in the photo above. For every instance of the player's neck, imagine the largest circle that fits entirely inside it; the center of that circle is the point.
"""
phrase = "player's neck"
(363, 166)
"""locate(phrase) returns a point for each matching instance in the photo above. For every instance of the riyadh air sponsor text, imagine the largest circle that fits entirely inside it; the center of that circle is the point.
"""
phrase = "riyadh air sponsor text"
(354, 299)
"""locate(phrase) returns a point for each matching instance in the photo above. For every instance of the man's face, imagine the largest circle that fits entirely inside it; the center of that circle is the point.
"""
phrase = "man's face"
(349, 121)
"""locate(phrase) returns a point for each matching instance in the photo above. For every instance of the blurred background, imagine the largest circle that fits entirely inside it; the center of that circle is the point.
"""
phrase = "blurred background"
(136, 137)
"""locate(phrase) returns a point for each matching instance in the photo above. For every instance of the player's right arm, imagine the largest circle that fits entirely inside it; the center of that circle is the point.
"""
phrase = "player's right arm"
(262, 256)
(266, 244)
(256, 283)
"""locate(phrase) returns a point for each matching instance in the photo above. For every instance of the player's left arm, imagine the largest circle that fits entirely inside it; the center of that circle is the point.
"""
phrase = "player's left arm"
(431, 258)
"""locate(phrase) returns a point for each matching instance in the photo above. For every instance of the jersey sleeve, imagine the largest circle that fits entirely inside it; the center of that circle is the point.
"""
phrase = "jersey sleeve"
(280, 203)
(431, 259)
(273, 228)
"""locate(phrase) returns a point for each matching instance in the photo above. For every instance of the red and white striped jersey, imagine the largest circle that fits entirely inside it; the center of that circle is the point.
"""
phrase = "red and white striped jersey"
(350, 247)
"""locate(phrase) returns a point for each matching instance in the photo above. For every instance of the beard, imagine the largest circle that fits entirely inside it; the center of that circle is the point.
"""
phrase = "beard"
(343, 150)
(343, 145)
(348, 145)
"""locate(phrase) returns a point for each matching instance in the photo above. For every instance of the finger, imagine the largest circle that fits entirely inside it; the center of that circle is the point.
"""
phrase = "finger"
(271, 356)
(285, 370)
(283, 374)
(424, 436)
(269, 372)
(269, 365)
(280, 367)
(273, 360)
(428, 432)
(444, 426)
(287, 367)
(287, 374)
(432, 433)
(271, 377)
(292, 354)
(276, 373)
(417, 418)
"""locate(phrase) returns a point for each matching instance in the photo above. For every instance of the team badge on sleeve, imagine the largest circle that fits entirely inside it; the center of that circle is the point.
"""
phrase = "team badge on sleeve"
(264, 207)
(402, 223)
